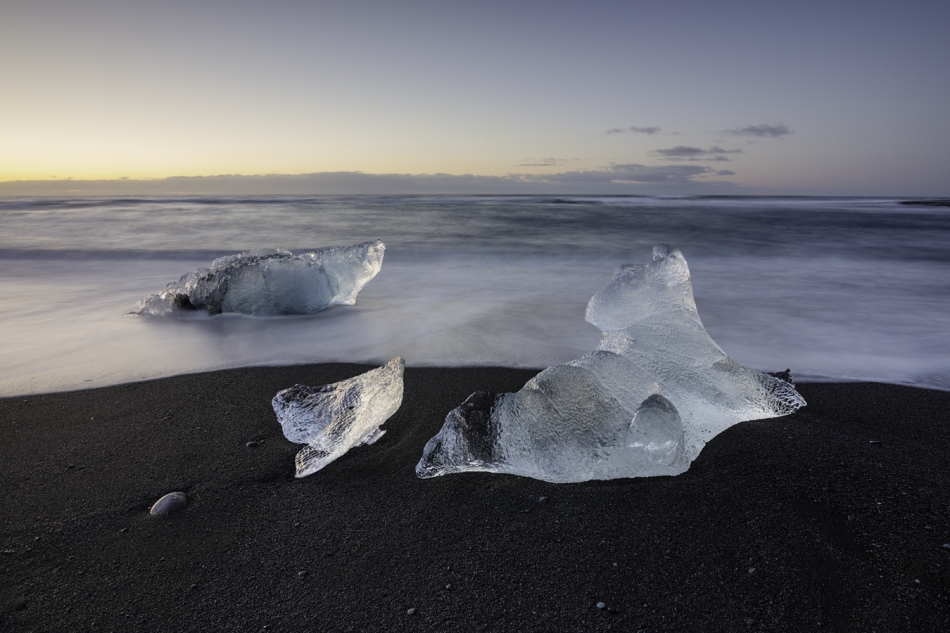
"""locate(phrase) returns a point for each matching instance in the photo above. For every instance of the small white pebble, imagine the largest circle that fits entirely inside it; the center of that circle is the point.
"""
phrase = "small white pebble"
(751, 570)
(411, 611)
(170, 503)
(601, 605)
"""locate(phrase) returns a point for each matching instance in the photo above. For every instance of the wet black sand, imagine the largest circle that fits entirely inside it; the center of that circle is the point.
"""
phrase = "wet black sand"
(833, 519)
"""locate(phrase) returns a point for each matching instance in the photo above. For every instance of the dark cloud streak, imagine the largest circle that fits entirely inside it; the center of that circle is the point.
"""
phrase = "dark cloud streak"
(685, 152)
(764, 131)
(636, 130)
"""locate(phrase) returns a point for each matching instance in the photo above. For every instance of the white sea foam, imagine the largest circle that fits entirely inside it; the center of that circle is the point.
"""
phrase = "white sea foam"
(475, 281)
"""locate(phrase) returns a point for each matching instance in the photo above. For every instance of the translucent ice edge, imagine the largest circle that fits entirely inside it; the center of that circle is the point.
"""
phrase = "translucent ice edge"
(655, 391)
(332, 419)
(271, 282)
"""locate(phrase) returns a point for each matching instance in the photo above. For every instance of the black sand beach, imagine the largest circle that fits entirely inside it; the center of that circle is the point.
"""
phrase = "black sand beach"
(832, 519)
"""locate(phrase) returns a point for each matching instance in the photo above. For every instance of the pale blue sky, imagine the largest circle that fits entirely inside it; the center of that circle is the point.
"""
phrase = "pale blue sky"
(525, 91)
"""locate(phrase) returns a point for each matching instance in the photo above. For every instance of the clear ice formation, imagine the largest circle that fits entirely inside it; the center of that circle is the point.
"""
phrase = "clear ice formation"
(332, 419)
(643, 404)
(269, 282)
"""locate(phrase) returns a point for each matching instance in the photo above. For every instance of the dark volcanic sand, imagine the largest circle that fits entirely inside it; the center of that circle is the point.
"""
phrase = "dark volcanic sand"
(842, 534)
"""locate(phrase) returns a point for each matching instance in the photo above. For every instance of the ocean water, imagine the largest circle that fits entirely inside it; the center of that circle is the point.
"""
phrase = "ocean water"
(833, 288)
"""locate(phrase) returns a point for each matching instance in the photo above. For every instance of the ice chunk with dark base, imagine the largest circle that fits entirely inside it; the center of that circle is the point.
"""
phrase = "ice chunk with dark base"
(271, 282)
(332, 419)
(643, 404)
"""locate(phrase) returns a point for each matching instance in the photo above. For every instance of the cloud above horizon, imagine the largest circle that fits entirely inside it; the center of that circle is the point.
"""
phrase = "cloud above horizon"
(546, 162)
(763, 131)
(617, 178)
(634, 129)
(625, 173)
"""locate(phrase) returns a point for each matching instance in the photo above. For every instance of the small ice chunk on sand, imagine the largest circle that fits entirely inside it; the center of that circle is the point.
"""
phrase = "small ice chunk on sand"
(271, 282)
(656, 390)
(332, 419)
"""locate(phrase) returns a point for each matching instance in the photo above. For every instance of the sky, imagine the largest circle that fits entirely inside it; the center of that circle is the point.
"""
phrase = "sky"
(678, 97)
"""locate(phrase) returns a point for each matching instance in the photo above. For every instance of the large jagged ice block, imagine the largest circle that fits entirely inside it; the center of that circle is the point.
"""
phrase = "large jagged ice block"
(655, 391)
(332, 419)
(270, 282)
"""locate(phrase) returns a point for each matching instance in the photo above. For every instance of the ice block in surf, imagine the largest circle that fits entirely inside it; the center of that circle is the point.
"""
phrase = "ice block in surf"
(271, 282)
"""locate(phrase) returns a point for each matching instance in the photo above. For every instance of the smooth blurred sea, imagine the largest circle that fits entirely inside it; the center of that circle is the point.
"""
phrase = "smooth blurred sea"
(833, 288)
